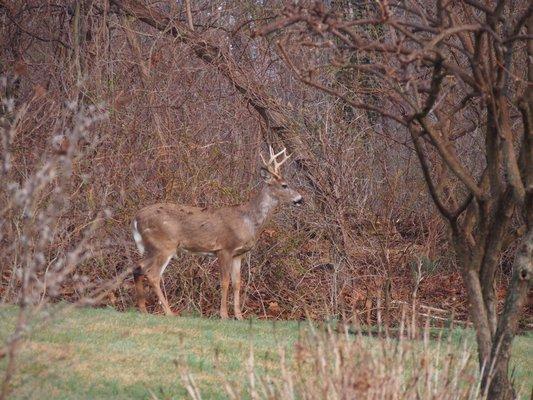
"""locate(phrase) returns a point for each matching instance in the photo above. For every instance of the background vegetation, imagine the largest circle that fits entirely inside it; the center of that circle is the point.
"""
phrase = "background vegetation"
(173, 129)
(108, 106)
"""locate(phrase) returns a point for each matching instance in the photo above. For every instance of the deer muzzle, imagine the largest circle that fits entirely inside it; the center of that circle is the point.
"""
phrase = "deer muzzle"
(299, 201)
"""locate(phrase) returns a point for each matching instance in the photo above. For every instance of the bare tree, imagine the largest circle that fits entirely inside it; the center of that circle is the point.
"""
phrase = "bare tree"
(451, 75)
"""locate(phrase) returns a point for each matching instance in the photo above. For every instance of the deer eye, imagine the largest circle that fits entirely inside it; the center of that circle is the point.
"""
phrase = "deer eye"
(284, 186)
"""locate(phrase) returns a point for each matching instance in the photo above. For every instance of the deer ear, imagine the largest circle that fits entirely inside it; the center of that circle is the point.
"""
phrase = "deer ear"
(265, 174)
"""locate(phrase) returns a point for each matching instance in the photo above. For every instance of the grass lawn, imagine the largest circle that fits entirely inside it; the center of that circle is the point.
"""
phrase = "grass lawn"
(101, 353)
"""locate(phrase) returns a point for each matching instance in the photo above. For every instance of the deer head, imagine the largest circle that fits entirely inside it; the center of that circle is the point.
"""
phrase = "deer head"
(271, 174)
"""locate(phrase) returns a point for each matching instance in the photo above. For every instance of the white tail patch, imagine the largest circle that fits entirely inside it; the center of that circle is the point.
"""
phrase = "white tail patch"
(138, 238)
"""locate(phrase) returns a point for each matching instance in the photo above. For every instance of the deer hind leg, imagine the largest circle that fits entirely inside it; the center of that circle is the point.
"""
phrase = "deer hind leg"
(236, 283)
(138, 278)
(153, 276)
(224, 260)
(138, 272)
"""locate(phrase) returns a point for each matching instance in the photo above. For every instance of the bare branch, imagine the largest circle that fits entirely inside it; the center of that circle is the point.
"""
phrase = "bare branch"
(452, 161)
(427, 175)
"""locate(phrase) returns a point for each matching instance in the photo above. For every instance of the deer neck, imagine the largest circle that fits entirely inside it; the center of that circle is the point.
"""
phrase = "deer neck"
(261, 206)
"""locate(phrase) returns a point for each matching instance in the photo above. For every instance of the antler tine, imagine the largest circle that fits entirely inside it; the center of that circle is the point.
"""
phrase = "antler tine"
(277, 164)
(263, 159)
(278, 154)
(271, 151)
(273, 163)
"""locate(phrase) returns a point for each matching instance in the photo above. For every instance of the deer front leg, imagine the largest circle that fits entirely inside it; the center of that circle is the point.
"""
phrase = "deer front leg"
(236, 283)
(224, 260)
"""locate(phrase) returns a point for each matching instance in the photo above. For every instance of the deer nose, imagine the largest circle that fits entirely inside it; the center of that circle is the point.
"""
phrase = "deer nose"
(299, 201)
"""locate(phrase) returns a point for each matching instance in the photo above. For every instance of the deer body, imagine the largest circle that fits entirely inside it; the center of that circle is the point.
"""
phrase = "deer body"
(161, 230)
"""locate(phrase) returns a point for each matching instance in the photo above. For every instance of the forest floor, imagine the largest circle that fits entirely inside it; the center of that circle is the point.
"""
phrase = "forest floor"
(101, 353)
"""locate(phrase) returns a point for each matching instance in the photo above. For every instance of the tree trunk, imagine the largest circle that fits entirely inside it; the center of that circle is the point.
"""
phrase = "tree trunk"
(478, 312)
(499, 386)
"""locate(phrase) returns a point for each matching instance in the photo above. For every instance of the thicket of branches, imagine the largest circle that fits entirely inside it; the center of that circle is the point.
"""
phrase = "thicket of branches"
(456, 78)
(379, 102)
(186, 125)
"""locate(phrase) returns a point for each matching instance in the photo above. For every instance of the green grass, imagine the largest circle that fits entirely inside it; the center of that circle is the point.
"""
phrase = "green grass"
(98, 353)
(101, 353)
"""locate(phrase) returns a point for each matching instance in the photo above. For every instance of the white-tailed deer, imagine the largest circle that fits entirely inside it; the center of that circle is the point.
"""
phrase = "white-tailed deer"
(228, 233)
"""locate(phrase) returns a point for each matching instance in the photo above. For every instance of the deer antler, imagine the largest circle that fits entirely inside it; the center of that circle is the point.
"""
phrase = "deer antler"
(273, 165)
